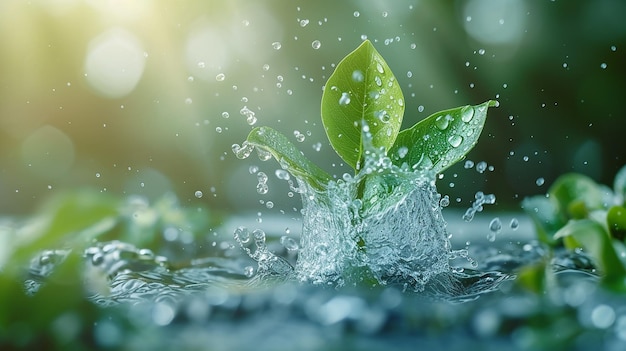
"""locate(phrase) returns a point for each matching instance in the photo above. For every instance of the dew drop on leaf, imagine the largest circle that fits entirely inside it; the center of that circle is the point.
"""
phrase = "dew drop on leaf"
(344, 99)
(455, 140)
(467, 113)
(357, 76)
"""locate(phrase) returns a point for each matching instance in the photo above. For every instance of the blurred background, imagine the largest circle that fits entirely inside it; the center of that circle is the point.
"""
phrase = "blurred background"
(146, 97)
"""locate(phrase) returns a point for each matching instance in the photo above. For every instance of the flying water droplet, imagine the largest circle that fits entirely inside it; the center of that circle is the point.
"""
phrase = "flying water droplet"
(242, 151)
(220, 77)
(289, 243)
(514, 224)
(316, 44)
(276, 45)
(540, 181)
(198, 194)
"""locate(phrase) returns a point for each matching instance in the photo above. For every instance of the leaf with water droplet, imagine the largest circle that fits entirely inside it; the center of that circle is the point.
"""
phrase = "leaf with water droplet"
(353, 97)
(451, 135)
(287, 154)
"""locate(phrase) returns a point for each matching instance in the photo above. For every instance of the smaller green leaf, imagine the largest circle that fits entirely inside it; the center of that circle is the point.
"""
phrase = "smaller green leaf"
(288, 156)
(598, 244)
(440, 140)
(616, 221)
(361, 91)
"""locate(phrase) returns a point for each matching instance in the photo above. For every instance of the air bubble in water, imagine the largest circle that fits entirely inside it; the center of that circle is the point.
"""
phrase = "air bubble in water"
(316, 44)
(198, 194)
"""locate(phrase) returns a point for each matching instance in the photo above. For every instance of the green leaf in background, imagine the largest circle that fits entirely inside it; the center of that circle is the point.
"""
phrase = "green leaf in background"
(361, 90)
(577, 195)
(616, 221)
(79, 215)
(619, 185)
(440, 140)
(288, 156)
(594, 239)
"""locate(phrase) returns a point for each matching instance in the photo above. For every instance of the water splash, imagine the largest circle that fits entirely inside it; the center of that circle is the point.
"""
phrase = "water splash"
(382, 226)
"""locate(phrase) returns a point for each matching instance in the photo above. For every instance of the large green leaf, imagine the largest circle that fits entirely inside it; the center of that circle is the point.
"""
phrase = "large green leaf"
(361, 91)
(441, 139)
(288, 156)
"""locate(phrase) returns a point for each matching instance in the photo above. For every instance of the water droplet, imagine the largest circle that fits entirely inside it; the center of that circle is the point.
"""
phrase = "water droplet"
(481, 51)
(442, 122)
(455, 140)
(266, 67)
(383, 116)
(540, 181)
(242, 151)
(225, 114)
(384, 13)
(514, 224)
(276, 45)
(249, 114)
(379, 68)
(304, 22)
(468, 164)
(299, 136)
(218, 129)
(289, 243)
(356, 14)
(357, 76)
(420, 108)
(467, 113)
(97, 175)
(282, 174)
(613, 48)
(495, 225)
(220, 77)
(481, 166)
(269, 204)
(378, 81)
(400, 102)
(445, 201)
(603, 65)
(198, 194)
(345, 99)
(248, 271)
(316, 44)
(317, 146)
(403, 151)
(263, 155)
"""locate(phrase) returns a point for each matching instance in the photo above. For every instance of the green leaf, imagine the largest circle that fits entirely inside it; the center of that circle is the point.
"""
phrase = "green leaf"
(619, 185)
(598, 244)
(361, 91)
(440, 140)
(577, 195)
(289, 157)
(616, 221)
(67, 220)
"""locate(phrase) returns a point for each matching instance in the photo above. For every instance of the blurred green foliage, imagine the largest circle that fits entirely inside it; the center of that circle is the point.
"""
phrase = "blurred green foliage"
(129, 97)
